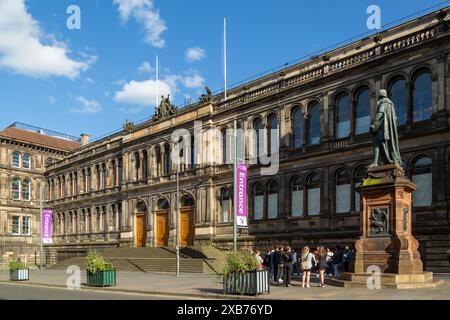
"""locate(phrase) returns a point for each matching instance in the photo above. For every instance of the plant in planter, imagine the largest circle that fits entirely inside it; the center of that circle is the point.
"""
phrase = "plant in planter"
(100, 273)
(241, 274)
(18, 271)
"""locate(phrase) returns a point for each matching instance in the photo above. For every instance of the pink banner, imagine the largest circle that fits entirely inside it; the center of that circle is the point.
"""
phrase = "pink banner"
(47, 226)
(241, 194)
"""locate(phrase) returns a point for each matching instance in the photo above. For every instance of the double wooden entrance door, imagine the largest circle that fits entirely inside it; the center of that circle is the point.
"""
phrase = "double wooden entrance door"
(187, 226)
(162, 228)
(141, 230)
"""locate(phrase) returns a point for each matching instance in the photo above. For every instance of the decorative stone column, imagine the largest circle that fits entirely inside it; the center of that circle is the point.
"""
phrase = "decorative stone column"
(386, 243)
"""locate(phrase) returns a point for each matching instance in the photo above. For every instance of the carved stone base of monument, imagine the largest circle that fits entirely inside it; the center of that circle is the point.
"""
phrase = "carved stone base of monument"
(386, 243)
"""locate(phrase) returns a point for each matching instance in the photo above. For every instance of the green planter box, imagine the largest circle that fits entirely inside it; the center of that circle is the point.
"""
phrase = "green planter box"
(249, 283)
(101, 278)
(19, 275)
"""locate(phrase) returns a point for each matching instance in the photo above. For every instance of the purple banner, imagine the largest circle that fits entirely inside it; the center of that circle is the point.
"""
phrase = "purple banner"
(241, 195)
(47, 226)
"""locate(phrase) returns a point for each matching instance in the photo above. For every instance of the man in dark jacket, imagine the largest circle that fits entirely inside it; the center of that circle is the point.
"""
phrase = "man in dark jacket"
(338, 259)
(288, 266)
(275, 258)
(281, 262)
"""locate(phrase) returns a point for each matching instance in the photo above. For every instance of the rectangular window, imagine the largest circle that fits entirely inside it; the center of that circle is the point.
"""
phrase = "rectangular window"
(422, 196)
(297, 203)
(313, 201)
(272, 206)
(226, 211)
(342, 198)
(16, 225)
(26, 225)
(259, 207)
(357, 198)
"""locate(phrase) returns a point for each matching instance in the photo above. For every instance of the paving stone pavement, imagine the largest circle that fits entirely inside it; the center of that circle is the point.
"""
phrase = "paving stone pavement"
(210, 286)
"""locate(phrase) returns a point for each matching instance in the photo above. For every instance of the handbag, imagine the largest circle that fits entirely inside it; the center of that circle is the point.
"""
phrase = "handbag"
(304, 264)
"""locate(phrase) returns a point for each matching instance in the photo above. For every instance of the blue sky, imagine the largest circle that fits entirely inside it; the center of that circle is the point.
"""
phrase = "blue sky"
(90, 80)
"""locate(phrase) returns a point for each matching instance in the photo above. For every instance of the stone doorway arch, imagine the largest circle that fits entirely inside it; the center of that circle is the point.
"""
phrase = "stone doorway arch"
(140, 231)
(162, 222)
(187, 220)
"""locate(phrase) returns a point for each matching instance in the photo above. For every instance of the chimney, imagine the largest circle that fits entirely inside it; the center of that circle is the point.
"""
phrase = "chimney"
(84, 139)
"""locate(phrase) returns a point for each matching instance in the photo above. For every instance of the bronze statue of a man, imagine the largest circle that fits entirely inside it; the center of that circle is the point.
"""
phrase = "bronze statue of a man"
(384, 130)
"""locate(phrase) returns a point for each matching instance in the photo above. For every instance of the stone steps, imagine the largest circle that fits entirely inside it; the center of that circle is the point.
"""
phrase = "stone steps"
(163, 259)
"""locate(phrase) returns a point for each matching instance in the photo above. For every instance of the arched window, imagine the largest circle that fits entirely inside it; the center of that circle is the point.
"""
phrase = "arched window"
(99, 219)
(167, 159)
(399, 95)
(360, 172)
(362, 111)
(225, 204)
(225, 146)
(297, 198)
(343, 194)
(258, 201)
(26, 186)
(15, 189)
(421, 175)
(16, 157)
(26, 161)
(258, 127)
(272, 200)
(187, 201)
(298, 123)
(313, 123)
(144, 165)
(192, 153)
(137, 165)
(313, 193)
(158, 161)
(342, 116)
(163, 204)
(422, 96)
(272, 122)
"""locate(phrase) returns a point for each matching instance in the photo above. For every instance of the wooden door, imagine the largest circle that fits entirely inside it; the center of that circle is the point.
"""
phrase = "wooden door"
(141, 230)
(162, 228)
(187, 228)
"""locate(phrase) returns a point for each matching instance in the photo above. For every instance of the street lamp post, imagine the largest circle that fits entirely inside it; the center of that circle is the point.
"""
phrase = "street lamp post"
(177, 223)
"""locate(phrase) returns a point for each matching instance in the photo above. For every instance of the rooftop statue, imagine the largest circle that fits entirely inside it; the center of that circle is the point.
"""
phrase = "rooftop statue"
(165, 109)
(206, 97)
(128, 126)
(384, 131)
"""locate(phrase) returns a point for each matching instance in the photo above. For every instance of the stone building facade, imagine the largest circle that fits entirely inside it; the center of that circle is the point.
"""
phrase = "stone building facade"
(121, 190)
(25, 152)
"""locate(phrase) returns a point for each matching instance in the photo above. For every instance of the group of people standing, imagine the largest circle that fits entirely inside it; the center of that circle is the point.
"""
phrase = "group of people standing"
(283, 263)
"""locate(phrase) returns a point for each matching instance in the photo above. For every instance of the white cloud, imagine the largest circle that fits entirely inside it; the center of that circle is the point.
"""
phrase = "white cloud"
(194, 81)
(27, 50)
(87, 106)
(142, 93)
(51, 99)
(144, 13)
(195, 54)
(145, 67)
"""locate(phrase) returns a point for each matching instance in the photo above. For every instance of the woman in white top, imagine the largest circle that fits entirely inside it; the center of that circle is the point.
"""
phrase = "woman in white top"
(307, 262)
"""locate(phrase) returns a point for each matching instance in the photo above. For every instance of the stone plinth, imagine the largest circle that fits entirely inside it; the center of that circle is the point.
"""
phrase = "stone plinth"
(386, 240)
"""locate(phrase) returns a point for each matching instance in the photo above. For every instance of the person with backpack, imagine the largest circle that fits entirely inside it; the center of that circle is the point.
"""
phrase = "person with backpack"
(307, 262)
(281, 263)
(288, 266)
(275, 258)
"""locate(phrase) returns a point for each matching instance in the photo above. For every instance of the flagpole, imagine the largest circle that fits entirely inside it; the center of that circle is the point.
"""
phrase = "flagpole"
(225, 55)
(157, 82)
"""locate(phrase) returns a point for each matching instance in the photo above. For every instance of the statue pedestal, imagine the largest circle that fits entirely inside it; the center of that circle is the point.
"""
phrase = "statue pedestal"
(386, 243)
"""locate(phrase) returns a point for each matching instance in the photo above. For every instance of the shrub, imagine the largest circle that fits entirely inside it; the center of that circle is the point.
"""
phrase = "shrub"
(242, 260)
(96, 263)
(14, 265)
